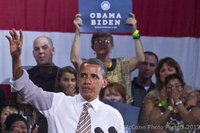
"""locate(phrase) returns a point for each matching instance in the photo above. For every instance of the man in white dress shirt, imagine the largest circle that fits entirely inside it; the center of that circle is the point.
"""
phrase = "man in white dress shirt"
(63, 112)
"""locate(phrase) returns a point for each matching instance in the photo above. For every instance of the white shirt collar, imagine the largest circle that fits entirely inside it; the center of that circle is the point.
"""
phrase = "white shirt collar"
(95, 103)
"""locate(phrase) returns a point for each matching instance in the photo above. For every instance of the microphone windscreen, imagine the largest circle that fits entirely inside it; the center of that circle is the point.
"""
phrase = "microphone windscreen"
(98, 130)
(112, 130)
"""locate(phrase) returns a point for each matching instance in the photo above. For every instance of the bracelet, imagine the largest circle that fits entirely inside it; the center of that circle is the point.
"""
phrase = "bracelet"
(170, 108)
(161, 104)
(179, 102)
(136, 35)
(136, 32)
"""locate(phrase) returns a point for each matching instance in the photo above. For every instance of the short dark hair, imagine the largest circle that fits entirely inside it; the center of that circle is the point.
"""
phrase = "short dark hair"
(97, 62)
(13, 118)
(152, 54)
(174, 76)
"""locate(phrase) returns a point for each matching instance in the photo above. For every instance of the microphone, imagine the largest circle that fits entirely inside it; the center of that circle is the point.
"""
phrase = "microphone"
(98, 130)
(112, 130)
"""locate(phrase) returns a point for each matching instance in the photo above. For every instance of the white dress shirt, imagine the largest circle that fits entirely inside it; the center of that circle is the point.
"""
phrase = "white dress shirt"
(63, 112)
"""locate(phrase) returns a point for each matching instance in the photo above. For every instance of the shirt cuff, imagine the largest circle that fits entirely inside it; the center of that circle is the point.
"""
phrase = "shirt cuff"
(17, 85)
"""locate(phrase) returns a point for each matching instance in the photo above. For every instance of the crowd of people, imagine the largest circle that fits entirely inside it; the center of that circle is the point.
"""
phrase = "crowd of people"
(50, 99)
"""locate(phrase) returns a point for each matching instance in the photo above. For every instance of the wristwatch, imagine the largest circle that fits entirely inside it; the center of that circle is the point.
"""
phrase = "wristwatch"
(179, 102)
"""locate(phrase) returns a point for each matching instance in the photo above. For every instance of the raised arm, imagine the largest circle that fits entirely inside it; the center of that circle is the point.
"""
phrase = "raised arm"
(15, 51)
(75, 50)
(32, 94)
(133, 62)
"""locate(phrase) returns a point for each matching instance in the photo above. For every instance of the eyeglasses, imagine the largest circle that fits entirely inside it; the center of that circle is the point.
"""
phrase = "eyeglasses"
(102, 41)
(177, 86)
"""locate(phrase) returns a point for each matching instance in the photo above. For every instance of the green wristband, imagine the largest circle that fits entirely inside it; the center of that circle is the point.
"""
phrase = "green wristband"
(163, 103)
(136, 35)
(170, 108)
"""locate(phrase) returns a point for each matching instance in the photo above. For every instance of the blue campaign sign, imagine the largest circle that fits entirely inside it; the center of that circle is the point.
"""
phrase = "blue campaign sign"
(105, 16)
(129, 113)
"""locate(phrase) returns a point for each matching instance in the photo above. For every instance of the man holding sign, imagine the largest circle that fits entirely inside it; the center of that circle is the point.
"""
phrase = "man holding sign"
(118, 69)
